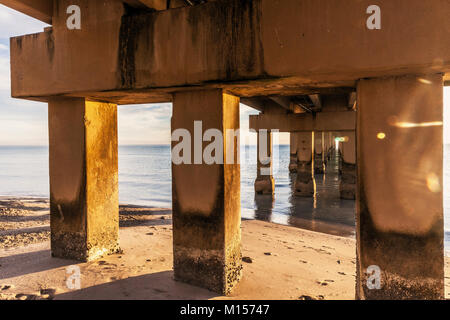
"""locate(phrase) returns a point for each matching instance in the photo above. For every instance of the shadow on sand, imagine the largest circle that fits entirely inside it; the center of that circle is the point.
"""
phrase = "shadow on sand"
(30, 262)
(154, 286)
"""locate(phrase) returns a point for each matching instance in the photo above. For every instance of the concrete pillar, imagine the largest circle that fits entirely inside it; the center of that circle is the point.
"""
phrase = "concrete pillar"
(84, 203)
(293, 153)
(318, 152)
(264, 183)
(206, 197)
(347, 185)
(264, 207)
(331, 145)
(304, 185)
(324, 150)
(400, 228)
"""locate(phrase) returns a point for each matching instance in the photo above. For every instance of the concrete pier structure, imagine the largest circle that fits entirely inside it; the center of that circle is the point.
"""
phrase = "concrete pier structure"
(347, 187)
(319, 162)
(293, 152)
(206, 197)
(400, 204)
(274, 56)
(264, 183)
(84, 189)
(304, 184)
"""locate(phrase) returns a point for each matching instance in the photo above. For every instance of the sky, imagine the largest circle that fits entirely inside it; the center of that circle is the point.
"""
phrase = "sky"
(24, 122)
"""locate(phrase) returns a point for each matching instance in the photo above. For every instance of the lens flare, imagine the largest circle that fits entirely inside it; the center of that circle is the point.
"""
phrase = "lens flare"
(381, 135)
(424, 81)
(418, 125)
(433, 183)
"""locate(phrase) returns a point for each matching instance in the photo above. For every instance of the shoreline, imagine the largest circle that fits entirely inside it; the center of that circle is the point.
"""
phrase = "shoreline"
(281, 262)
(323, 227)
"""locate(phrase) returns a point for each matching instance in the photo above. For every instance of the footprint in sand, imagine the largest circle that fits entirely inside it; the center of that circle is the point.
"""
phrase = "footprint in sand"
(325, 282)
(307, 298)
(47, 294)
(6, 287)
(23, 296)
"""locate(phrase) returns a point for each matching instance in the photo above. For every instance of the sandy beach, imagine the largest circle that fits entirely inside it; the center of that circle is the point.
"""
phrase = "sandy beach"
(280, 262)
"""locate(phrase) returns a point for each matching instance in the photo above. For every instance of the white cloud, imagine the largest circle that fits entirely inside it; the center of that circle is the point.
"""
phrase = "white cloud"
(5, 80)
(13, 23)
(145, 124)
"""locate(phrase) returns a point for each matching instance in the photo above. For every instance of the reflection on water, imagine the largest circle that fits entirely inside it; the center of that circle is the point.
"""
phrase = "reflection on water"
(326, 213)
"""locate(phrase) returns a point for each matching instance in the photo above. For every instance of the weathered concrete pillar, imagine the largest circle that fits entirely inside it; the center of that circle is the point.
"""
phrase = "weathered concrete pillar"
(330, 145)
(84, 203)
(293, 152)
(400, 206)
(304, 185)
(318, 153)
(264, 183)
(324, 150)
(347, 185)
(206, 197)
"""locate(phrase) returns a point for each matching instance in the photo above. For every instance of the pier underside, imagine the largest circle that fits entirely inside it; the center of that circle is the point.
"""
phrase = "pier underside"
(311, 67)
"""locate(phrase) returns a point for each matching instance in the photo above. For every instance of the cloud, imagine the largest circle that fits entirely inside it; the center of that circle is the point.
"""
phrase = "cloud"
(13, 23)
(145, 124)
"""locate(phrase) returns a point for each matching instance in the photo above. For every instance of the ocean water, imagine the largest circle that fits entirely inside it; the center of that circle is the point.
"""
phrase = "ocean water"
(145, 179)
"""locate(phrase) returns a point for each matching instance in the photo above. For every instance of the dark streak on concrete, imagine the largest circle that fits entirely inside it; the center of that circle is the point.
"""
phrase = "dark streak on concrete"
(50, 42)
(68, 226)
(412, 266)
(132, 27)
(192, 231)
(235, 26)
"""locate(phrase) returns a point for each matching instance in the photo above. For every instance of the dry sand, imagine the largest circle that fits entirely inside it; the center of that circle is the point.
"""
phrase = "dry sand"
(281, 262)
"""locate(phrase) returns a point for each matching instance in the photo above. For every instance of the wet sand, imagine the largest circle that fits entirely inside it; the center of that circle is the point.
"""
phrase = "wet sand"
(280, 262)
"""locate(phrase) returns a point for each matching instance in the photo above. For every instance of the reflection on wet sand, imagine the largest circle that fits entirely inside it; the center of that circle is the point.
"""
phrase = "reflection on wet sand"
(325, 213)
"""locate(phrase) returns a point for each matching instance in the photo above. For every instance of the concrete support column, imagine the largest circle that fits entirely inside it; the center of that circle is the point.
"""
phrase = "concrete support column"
(400, 228)
(324, 150)
(264, 183)
(304, 185)
(206, 197)
(331, 145)
(84, 203)
(293, 152)
(318, 153)
(347, 186)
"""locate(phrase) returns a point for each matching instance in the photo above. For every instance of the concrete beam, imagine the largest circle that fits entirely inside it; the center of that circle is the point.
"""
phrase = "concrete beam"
(157, 5)
(265, 105)
(288, 104)
(245, 56)
(38, 9)
(322, 121)
(352, 101)
(151, 4)
(317, 102)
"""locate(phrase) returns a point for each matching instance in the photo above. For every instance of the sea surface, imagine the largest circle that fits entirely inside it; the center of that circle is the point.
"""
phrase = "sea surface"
(145, 179)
